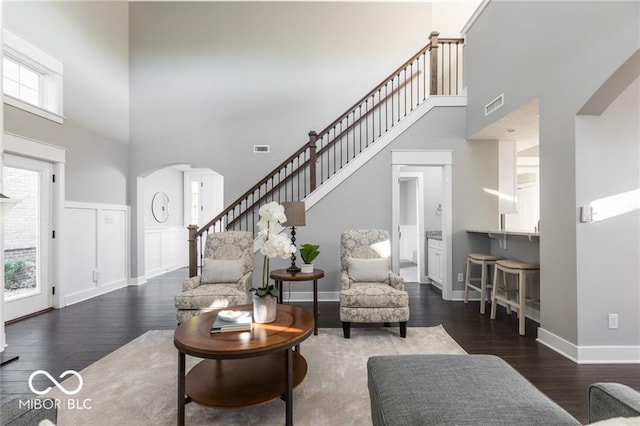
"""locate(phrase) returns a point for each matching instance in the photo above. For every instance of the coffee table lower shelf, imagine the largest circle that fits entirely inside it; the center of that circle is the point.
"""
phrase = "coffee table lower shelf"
(236, 383)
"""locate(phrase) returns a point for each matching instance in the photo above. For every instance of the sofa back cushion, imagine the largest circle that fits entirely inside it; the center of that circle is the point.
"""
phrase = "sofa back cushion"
(222, 271)
(368, 270)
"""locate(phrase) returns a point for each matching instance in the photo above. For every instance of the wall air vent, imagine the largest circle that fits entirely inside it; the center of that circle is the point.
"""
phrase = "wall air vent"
(494, 105)
(260, 149)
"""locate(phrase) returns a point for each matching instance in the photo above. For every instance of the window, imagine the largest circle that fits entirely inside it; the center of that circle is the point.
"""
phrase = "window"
(21, 82)
(31, 78)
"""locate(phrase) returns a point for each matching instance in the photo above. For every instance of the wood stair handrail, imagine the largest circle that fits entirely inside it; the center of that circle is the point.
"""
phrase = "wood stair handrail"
(432, 36)
(253, 189)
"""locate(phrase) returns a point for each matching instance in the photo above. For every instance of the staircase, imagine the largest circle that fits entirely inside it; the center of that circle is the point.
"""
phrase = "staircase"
(435, 70)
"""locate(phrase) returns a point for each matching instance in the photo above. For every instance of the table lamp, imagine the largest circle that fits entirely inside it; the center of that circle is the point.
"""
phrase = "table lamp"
(295, 212)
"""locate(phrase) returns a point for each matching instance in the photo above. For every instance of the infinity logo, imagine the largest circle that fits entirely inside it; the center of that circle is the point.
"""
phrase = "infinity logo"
(55, 382)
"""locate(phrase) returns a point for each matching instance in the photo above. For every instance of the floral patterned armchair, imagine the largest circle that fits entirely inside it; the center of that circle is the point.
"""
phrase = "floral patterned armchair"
(371, 292)
(225, 279)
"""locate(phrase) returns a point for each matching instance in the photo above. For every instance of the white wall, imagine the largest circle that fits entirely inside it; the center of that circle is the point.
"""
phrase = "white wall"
(95, 248)
(450, 16)
(165, 243)
(166, 249)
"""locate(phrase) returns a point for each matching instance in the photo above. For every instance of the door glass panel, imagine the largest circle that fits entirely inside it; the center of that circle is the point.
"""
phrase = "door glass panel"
(21, 231)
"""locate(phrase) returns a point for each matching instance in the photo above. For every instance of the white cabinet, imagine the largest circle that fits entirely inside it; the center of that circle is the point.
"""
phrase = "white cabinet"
(435, 260)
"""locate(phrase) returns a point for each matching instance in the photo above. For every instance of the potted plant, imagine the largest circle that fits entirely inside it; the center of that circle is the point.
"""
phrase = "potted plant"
(273, 244)
(308, 253)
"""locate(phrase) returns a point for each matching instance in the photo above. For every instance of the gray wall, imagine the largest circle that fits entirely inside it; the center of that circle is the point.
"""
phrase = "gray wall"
(211, 79)
(364, 199)
(608, 163)
(561, 53)
(171, 182)
(92, 40)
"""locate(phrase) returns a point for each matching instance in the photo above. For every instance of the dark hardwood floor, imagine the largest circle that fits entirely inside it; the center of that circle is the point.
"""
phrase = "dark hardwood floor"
(78, 335)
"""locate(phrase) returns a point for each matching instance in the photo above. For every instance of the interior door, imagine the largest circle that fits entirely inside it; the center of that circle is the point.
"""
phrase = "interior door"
(27, 236)
(408, 232)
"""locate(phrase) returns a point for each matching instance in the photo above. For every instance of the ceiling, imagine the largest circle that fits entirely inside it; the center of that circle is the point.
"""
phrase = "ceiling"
(520, 125)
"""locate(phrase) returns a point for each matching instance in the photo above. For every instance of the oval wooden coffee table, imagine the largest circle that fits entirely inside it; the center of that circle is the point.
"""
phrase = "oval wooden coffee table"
(243, 368)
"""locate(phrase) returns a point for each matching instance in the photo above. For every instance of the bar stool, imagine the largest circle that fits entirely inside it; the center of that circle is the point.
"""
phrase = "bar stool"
(520, 270)
(485, 261)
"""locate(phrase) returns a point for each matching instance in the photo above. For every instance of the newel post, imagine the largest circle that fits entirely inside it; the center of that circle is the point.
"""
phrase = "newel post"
(313, 137)
(193, 250)
(433, 37)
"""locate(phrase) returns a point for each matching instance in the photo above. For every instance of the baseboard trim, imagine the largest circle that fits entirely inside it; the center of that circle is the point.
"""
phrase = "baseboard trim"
(589, 354)
(162, 270)
(31, 315)
(558, 344)
(608, 354)
(134, 281)
(81, 296)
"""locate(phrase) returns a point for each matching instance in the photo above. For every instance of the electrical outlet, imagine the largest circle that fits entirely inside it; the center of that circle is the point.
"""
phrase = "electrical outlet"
(613, 321)
(460, 277)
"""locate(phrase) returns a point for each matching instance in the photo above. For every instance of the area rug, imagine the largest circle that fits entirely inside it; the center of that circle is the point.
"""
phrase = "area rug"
(137, 384)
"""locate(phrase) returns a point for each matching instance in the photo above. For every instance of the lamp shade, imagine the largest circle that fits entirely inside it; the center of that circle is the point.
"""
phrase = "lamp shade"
(295, 212)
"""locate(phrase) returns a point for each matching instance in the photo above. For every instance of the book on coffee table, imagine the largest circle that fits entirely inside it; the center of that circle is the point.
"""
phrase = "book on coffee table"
(227, 321)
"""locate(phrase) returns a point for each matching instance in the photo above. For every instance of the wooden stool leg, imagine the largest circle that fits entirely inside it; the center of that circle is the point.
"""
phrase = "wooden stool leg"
(522, 287)
(483, 287)
(494, 292)
(467, 281)
(507, 290)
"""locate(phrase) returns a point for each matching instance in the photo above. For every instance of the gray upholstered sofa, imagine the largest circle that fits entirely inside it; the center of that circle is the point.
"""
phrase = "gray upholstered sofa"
(475, 390)
(13, 413)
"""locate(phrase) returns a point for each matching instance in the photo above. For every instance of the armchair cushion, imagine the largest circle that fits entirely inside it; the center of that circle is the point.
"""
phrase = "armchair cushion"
(208, 297)
(368, 270)
(373, 295)
(222, 271)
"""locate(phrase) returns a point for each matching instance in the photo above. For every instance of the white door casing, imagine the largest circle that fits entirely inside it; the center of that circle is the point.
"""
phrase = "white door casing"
(439, 158)
(33, 181)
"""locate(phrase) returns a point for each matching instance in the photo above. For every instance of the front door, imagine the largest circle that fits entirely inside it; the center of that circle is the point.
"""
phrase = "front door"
(27, 237)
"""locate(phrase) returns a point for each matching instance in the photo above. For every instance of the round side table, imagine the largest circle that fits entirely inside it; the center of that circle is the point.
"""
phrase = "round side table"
(280, 275)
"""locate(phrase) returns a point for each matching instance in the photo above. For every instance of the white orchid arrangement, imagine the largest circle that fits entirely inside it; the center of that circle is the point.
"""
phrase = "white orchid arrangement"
(273, 243)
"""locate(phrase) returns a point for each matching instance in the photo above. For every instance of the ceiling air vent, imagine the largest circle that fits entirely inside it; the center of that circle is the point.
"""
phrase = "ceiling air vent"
(494, 105)
(260, 149)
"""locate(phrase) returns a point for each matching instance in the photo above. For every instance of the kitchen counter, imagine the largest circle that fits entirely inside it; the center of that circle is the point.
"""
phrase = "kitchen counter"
(496, 233)
(501, 237)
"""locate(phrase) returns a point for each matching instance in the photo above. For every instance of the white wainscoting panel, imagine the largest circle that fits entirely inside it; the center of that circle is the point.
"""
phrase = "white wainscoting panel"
(165, 249)
(95, 254)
